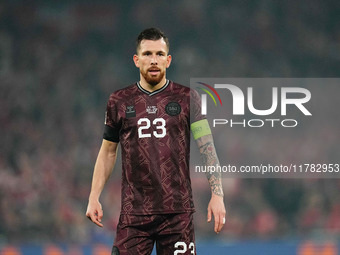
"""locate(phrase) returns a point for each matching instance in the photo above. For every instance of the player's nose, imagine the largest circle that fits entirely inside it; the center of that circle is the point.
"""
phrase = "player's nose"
(154, 60)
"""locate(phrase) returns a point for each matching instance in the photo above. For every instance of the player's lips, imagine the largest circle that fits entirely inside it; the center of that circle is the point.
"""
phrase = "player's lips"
(154, 71)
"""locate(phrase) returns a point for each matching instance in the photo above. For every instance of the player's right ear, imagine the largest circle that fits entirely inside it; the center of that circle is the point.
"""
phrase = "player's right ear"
(136, 60)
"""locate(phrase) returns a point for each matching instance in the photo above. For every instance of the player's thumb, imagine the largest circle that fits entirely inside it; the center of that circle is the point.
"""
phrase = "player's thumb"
(209, 215)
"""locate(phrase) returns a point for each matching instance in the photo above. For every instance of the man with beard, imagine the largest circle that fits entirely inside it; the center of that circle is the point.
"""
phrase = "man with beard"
(152, 120)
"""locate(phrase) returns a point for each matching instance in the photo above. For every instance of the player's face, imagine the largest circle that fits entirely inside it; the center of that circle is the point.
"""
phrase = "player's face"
(152, 59)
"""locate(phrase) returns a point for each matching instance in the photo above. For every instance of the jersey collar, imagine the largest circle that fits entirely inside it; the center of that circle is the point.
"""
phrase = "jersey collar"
(155, 91)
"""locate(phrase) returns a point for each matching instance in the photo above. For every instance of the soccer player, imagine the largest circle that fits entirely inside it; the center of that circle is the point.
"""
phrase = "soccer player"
(151, 119)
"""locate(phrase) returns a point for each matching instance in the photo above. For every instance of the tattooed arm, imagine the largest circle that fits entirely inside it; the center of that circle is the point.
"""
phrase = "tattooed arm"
(216, 204)
(209, 158)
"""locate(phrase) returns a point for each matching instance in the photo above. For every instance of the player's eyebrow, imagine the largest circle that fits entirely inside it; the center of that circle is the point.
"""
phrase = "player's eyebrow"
(146, 52)
(150, 52)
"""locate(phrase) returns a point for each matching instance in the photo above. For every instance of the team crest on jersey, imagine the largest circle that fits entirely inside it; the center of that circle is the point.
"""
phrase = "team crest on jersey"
(173, 108)
(130, 111)
(151, 109)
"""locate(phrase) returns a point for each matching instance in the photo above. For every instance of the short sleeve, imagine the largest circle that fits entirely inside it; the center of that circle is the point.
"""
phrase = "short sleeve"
(112, 121)
(195, 107)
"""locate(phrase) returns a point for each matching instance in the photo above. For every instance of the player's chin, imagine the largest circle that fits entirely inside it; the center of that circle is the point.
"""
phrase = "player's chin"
(154, 79)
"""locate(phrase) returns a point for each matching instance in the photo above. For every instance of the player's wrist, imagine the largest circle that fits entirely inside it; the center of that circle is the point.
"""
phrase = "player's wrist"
(217, 195)
(94, 197)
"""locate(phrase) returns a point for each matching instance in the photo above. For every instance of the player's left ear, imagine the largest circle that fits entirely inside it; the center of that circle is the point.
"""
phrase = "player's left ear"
(168, 60)
(136, 60)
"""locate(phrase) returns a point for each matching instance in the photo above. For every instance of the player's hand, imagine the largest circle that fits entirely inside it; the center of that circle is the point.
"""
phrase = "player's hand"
(216, 208)
(95, 212)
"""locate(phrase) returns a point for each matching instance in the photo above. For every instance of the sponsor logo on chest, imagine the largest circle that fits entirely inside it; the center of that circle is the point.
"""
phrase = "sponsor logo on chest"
(130, 111)
(151, 109)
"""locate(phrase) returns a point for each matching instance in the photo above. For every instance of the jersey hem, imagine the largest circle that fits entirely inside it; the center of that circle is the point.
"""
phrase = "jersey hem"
(159, 212)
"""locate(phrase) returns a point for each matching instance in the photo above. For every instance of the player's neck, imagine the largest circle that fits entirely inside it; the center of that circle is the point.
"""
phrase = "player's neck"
(150, 87)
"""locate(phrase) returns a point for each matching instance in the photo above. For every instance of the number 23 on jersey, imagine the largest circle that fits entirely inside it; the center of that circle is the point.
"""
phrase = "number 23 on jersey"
(144, 125)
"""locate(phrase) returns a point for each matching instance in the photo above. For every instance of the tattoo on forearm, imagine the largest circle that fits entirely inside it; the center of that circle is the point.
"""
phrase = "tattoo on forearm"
(209, 158)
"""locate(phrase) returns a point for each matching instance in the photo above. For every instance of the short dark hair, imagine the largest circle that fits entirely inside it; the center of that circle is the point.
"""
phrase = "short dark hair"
(153, 34)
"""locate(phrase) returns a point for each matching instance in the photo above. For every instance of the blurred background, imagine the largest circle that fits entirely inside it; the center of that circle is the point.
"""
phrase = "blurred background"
(60, 60)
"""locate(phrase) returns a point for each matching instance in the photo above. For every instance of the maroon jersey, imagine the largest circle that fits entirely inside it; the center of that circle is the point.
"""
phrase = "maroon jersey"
(154, 131)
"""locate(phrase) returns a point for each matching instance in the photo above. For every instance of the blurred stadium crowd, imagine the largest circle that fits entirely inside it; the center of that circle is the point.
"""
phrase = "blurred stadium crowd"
(61, 60)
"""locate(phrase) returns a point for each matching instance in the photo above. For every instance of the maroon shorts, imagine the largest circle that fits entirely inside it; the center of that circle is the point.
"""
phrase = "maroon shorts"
(173, 234)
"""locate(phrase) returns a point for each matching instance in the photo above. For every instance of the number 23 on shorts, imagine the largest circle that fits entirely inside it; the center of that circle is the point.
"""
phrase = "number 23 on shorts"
(183, 248)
